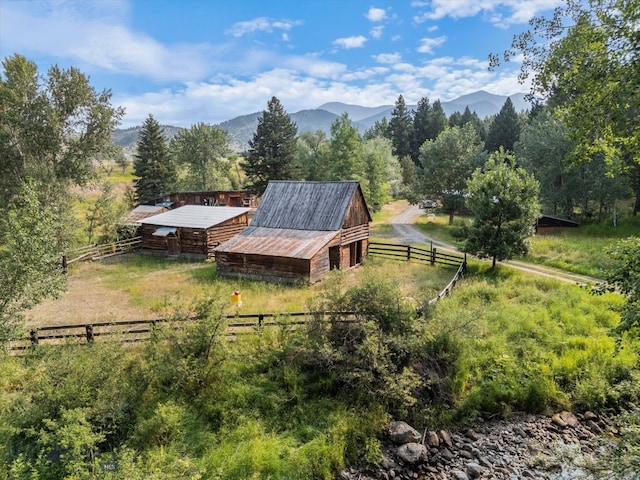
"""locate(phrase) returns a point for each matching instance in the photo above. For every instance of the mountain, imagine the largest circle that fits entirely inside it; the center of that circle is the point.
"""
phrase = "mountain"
(242, 128)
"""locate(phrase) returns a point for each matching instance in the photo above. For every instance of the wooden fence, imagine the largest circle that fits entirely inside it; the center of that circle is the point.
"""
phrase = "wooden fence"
(423, 255)
(96, 252)
(417, 254)
(136, 330)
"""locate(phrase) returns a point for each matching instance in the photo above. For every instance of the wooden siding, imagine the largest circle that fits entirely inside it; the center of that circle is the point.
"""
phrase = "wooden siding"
(357, 213)
(228, 198)
(354, 234)
(262, 267)
(196, 241)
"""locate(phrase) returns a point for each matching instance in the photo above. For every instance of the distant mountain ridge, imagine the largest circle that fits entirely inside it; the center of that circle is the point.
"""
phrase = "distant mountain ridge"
(242, 128)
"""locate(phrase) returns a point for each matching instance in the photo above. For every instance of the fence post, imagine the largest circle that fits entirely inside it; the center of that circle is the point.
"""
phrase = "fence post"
(433, 256)
(408, 253)
(89, 333)
(260, 319)
(64, 263)
(33, 336)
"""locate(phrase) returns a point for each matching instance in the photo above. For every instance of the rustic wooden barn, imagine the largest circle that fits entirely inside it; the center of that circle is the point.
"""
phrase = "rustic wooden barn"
(546, 224)
(221, 198)
(192, 230)
(301, 230)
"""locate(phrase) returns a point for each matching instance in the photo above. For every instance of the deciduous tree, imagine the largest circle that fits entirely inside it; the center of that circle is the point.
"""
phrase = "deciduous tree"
(503, 199)
(204, 150)
(344, 156)
(272, 150)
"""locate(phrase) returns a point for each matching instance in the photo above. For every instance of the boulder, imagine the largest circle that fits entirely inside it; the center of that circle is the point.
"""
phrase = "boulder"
(401, 433)
(412, 452)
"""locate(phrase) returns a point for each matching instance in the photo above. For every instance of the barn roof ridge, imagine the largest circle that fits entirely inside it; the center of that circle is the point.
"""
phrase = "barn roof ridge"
(302, 205)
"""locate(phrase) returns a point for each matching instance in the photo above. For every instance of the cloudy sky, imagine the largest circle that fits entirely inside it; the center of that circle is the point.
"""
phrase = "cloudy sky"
(189, 61)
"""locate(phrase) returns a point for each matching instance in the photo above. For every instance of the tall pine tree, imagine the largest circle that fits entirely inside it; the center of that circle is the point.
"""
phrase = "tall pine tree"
(504, 130)
(420, 128)
(272, 150)
(401, 129)
(153, 165)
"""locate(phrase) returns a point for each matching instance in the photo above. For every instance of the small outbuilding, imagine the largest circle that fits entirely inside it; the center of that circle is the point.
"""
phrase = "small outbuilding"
(192, 230)
(301, 230)
(546, 224)
(216, 198)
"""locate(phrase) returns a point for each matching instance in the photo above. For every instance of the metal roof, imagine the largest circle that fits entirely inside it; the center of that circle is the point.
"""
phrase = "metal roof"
(278, 242)
(141, 212)
(318, 206)
(195, 216)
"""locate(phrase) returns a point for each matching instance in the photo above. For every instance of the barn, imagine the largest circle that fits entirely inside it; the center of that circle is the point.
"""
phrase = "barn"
(300, 231)
(192, 230)
(218, 198)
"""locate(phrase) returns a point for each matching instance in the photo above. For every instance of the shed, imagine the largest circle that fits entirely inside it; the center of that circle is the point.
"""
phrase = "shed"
(192, 230)
(141, 212)
(301, 230)
(548, 224)
(217, 198)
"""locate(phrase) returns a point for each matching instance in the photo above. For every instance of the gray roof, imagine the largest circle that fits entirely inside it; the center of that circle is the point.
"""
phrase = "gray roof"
(318, 206)
(195, 216)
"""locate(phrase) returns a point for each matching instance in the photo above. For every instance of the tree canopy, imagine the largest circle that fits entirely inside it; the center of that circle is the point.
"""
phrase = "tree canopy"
(504, 131)
(272, 150)
(584, 61)
(52, 127)
(503, 200)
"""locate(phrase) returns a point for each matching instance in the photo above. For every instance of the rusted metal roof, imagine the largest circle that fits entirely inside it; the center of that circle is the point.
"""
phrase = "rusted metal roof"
(195, 216)
(140, 212)
(278, 242)
(316, 206)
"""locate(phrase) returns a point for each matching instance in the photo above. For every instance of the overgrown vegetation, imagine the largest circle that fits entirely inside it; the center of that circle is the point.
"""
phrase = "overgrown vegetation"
(304, 402)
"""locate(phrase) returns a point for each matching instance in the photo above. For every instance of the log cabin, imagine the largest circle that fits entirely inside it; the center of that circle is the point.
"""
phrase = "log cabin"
(300, 231)
(216, 198)
(192, 230)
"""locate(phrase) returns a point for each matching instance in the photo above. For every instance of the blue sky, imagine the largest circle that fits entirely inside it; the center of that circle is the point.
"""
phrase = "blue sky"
(189, 61)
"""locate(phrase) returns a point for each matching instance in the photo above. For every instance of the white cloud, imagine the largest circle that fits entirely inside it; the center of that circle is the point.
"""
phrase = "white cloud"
(376, 32)
(428, 44)
(261, 24)
(351, 42)
(500, 12)
(376, 14)
(387, 57)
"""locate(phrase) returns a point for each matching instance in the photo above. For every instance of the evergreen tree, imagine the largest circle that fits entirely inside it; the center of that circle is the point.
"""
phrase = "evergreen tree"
(504, 130)
(272, 150)
(455, 119)
(401, 129)
(153, 165)
(379, 129)
(420, 128)
(437, 121)
(504, 202)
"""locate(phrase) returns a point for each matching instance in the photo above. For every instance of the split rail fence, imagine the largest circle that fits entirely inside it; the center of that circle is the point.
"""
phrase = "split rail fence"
(137, 330)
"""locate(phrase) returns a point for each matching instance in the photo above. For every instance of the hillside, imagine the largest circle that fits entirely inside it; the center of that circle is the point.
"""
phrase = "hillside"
(242, 128)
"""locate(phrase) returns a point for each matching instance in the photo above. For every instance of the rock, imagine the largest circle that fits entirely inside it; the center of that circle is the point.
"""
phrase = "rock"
(446, 438)
(590, 415)
(472, 435)
(474, 470)
(465, 454)
(570, 419)
(401, 433)
(412, 452)
(557, 420)
(459, 475)
(432, 439)
(447, 454)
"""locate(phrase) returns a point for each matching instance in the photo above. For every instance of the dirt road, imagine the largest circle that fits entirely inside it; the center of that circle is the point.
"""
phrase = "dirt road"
(406, 232)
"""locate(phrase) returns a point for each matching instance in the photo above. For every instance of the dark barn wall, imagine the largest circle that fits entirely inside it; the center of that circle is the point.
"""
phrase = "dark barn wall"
(263, 267)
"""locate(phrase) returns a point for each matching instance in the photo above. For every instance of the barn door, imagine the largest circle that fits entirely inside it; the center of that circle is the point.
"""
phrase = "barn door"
(173, 246)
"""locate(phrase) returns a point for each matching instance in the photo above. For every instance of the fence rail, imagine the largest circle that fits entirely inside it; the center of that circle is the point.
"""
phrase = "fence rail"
(95, 252)
(411, 253)
(137, 330)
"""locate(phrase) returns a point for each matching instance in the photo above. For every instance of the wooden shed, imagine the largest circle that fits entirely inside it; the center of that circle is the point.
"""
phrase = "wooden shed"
(301, 230)
(546, 224)
(192, 230)
(217, 198)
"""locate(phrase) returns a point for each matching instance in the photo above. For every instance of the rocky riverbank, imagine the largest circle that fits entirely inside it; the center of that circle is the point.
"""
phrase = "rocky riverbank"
(525, 446)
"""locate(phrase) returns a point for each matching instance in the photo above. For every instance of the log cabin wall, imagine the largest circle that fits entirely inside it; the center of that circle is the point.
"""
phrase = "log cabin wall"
(150, 241)
(262, 267)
